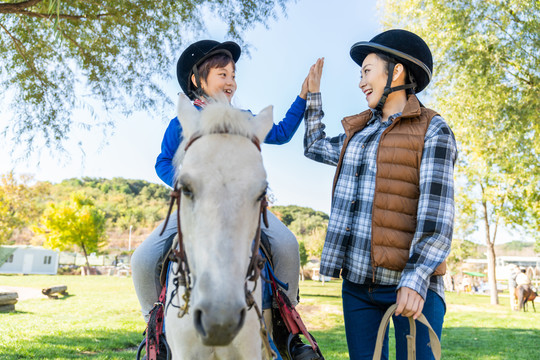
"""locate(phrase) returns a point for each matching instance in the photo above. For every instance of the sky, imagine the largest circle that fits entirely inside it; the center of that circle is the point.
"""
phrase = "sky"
(272, 74)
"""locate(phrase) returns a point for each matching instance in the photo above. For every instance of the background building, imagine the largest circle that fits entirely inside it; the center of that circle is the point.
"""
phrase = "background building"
(28, 260)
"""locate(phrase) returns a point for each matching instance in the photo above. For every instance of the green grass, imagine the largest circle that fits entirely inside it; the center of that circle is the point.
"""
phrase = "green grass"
(100, 320)
(473, 328)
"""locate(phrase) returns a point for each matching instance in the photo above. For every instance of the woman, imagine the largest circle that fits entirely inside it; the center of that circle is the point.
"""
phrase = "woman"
(206, 69)
(392, 211)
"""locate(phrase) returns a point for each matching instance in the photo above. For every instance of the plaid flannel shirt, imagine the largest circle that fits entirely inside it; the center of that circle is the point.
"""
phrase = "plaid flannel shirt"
(347, 248)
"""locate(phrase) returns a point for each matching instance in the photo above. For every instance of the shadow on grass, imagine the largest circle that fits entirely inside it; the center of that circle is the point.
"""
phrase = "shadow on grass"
(98, 344)
(490, 343)
(458, 343)
(322, 296)
(18, 312)
(61, 297)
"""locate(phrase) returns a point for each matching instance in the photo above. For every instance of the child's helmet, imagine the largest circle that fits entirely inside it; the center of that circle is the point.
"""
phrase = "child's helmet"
(197, 53)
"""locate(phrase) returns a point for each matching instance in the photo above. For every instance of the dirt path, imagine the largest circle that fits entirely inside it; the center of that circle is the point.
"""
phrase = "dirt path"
(25, 293)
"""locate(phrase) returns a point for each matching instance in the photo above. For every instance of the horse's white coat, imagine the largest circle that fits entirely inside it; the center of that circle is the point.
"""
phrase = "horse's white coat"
(223, 179)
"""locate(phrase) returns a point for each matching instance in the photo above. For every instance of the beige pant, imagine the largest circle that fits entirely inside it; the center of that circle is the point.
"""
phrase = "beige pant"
(148, 257)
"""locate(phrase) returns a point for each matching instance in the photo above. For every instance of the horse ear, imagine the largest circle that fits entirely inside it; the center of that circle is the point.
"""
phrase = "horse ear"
(263, 122)
(188, 115)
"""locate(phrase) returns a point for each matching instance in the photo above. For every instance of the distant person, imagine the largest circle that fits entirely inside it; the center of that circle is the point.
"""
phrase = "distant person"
(522, 278)
(523, 288)
(392, 214)
(466, 283)
(206, 70)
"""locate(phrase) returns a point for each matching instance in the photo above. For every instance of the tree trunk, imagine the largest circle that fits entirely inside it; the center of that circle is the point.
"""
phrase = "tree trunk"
(86, 257)
(492, 279)
(491, 274)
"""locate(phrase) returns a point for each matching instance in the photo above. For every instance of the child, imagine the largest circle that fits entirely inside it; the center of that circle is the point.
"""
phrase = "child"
(392, 212)
(206, 69)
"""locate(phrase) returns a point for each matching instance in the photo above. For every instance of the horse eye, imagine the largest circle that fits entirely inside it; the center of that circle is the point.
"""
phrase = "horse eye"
(186, 191)
(262, 196)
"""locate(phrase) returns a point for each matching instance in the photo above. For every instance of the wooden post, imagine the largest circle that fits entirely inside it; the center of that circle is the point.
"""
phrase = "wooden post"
(53, 290)
(8, 301)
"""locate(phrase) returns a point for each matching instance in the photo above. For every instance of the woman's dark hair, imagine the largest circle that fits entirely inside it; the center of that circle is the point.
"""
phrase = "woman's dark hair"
(388, 59)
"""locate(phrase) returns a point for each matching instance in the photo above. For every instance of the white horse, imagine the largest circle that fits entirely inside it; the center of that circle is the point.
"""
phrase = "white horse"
(222, 182)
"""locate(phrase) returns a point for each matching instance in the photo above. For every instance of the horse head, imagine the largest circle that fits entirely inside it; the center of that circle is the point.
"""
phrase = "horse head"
(222, 182)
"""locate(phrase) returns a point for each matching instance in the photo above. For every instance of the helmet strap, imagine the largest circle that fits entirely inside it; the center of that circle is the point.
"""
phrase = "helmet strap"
(388, 89)
(196, 92)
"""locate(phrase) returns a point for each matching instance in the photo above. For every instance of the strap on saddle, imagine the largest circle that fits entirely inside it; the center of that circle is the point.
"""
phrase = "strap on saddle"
(266, 248)
(165, 265)
(290, 316)
(154, 333)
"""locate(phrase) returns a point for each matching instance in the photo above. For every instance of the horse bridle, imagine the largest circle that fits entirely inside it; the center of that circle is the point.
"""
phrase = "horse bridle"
(256, 263)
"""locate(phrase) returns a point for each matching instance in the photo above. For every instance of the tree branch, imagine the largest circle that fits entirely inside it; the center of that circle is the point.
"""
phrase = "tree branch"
(22, 51)
(522, 79)
(515, 42)
(20, 8)
(10, 8)
(62, 16)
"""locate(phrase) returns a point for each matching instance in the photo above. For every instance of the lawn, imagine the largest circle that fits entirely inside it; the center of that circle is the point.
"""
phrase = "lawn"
(100, 320)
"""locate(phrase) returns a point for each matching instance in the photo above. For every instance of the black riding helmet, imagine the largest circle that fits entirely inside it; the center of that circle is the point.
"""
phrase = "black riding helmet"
(194, 55)
(408, 49)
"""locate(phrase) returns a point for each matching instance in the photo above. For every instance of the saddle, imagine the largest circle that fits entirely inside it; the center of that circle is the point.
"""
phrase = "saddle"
(154, 343)
(286, 322)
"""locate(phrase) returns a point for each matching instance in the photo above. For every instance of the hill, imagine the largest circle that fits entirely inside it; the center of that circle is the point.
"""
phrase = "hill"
(134, 208)
(129, 205)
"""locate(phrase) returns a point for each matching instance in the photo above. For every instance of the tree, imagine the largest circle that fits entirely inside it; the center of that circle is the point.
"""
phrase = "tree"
(308, 225)
(60, 56)
(16, 205)
(486, 77)
(76, 223)
(303, 257)
(461, 250)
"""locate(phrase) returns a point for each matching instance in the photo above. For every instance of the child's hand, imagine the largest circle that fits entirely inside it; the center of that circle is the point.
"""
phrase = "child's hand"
(304, 90)
(314, 77)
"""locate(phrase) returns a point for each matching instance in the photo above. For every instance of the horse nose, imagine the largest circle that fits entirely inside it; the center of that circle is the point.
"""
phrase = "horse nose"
(218, 327)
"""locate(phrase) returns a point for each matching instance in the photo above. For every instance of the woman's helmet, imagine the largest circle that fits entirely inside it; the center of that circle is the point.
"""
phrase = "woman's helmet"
(407, 48)
(194, 55)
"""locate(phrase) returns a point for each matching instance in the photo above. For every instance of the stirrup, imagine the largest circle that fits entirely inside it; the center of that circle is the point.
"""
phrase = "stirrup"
(307, 354)
(142, 346)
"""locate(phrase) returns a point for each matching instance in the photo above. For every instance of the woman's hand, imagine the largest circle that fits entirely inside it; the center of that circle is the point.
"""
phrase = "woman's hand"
(314, 77)
(409, 303)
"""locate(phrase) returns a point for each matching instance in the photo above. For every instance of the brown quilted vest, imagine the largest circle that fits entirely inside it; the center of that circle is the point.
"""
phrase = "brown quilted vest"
(395, 202)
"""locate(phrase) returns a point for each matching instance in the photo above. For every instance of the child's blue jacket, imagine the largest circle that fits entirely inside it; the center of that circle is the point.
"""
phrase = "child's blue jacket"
(280, 133)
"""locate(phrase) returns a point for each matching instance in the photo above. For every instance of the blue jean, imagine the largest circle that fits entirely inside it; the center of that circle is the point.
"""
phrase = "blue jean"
(363, 309)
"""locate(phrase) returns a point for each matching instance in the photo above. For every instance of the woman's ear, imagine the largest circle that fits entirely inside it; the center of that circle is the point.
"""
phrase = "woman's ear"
(193, 81)
(399, 70)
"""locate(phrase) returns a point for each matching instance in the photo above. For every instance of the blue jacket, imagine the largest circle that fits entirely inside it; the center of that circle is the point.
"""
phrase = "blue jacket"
(280, 133)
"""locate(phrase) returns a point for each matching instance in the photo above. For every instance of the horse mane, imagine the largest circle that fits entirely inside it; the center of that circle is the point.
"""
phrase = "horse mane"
(217, 117)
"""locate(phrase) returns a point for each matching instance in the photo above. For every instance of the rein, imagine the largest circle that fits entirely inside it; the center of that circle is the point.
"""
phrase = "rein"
(256, 263)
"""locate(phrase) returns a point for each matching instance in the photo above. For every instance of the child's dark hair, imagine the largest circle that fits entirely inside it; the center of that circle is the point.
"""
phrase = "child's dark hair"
(217, 61)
